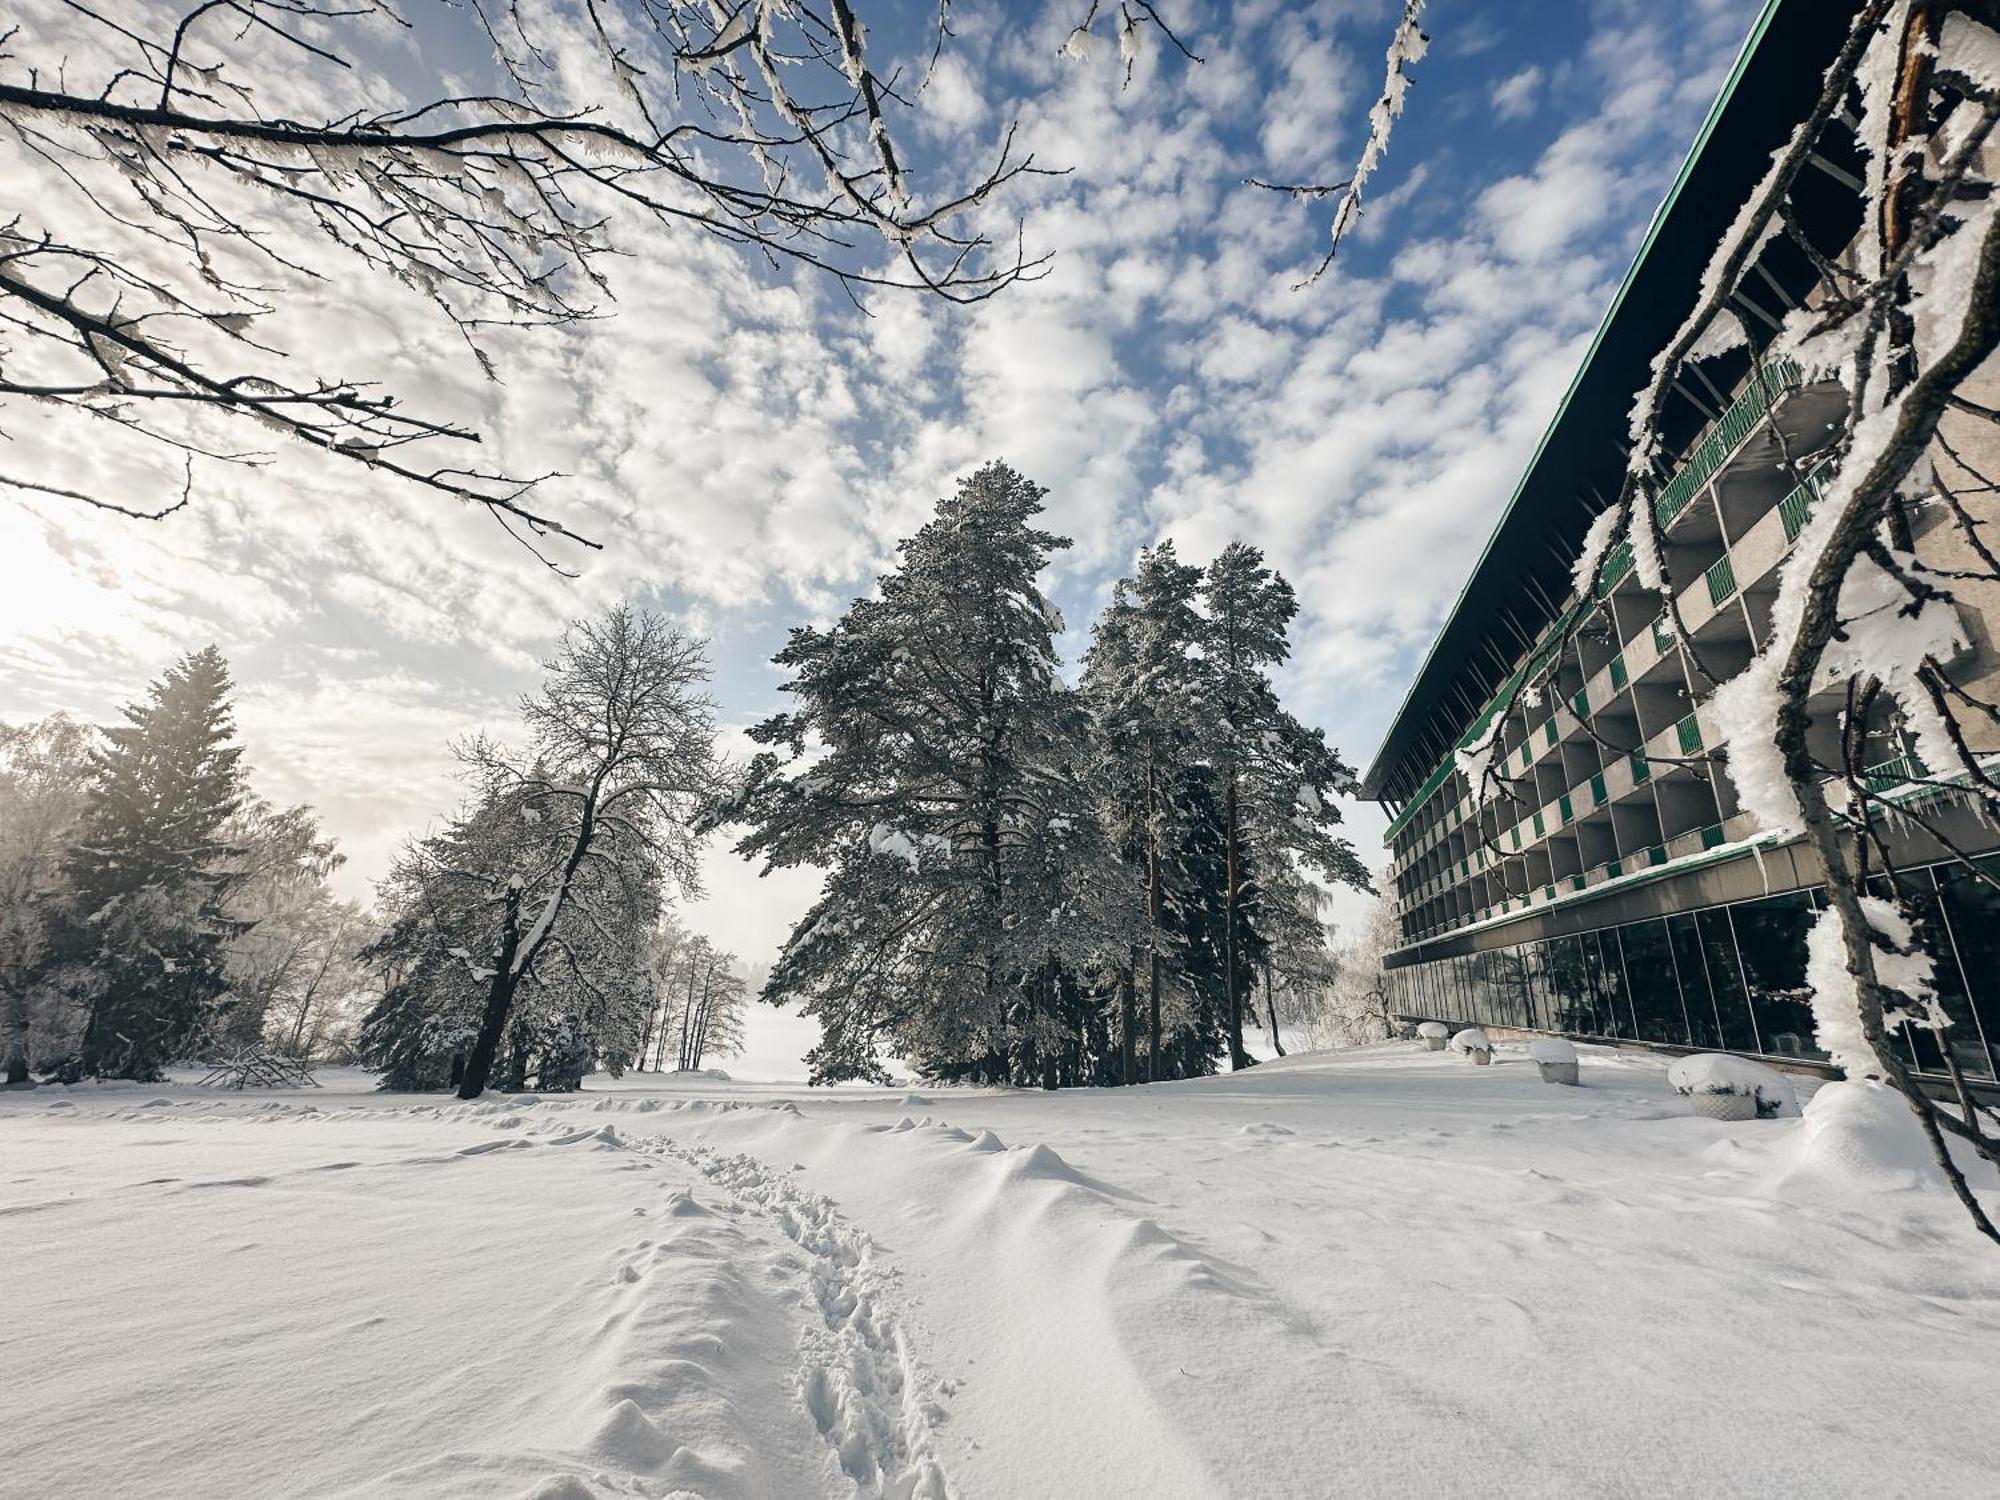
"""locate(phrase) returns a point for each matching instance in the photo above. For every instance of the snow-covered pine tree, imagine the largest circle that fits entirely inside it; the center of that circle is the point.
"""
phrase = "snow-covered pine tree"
(147, 928)
(1142, 682)
(44, 779)
(1279, 778)
(929, 752)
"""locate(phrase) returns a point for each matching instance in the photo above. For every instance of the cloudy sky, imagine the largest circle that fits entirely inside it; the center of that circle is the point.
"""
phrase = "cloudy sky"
(749, 447)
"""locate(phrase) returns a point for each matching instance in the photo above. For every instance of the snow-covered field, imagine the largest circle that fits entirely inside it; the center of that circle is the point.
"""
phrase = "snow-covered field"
(1382, 1273)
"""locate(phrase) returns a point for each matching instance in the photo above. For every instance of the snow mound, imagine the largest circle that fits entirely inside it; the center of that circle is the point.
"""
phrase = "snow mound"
(1472, 1039)
(1862, 1133)
(1433, 1028)
(1266, 1127)
(629, 1438)
(1040, 1161)
(915, 1099)
(1551, 1049)
(1719, 1073)
(986, 1140)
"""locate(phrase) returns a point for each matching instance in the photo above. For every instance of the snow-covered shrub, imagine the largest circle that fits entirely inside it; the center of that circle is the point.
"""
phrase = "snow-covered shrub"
(1433, 1034)
(1732, 1088)
(1473, 1044)
(1555, 1057)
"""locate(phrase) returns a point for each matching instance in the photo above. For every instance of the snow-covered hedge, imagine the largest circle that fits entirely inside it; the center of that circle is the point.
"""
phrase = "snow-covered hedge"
(1708, 1073)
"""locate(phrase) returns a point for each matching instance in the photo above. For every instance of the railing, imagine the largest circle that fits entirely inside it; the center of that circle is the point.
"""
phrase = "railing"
(1617, 563)
(1688, 731)
(1640, 770)
(1795, 508)
(1729, 430)
(1894, 772)
(1618, 676)
(1721, 580)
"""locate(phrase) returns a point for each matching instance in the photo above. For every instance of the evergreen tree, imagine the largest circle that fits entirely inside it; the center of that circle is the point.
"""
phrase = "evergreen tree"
(1142, 681)
(44, 782)
(951, 770)
(1278, 778)
(147, 929)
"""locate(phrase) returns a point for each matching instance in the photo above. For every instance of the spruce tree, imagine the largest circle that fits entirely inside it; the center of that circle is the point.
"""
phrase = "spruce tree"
(1277, 778)
(146, 928)
(1143, 683)
(952, 765)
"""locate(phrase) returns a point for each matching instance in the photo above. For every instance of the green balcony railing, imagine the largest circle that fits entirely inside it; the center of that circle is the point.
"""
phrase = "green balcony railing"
(1885, 774)
(1657, 854)
(1579, 703)
(1711, 836)
(1540, 830)
(1721, 580)
(1618, 678)
(1663, 634)
(1597, 788)
(1617, 563)
(1688, 731)
(1563, 807)
(1794, 509)
(1727, 433)
(1549, 730)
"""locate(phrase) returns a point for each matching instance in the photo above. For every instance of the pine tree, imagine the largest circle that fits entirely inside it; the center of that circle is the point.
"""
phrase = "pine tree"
(952, 764)
(1278, 778)
(147, 928)
(1142, 681)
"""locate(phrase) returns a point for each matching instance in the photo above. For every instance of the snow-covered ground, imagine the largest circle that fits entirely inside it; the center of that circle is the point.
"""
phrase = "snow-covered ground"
(1386, 1272)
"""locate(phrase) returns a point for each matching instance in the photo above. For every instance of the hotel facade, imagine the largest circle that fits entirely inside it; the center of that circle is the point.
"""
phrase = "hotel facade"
(1620, 892)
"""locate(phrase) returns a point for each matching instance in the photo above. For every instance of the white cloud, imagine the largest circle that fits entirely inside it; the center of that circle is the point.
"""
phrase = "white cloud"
(1514, 96)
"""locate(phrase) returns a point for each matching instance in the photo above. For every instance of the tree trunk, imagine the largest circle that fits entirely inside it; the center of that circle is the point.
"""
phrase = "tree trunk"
(1239, 1058)
(499, 1000)
(687, 1020)
(1128, 1021)
(1153, 918)
(1051, 993)
(17, 1035)
(1271, 1009)
(701, 1018)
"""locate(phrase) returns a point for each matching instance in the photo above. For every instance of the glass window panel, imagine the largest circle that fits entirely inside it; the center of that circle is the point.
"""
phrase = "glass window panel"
(1685, 944)
(1572, 995)
(1649, 975)
(1771, 944)
(1484, 1010)
(1614, 1007)
(1504, 967)
(1725, 981)
(1972, 908)
(1532, 1009)
(1919, 1044)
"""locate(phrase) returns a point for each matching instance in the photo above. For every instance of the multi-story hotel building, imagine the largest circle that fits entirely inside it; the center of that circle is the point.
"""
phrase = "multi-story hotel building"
(1620, 892)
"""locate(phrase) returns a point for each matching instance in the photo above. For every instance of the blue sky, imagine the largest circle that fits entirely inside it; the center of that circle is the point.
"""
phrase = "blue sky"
(750, 447)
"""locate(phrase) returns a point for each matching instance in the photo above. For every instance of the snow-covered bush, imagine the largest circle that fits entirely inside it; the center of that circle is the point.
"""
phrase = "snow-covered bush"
(1555, 1057)
(1433, 1035)
(1473, 1044)
(1732, 1088)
